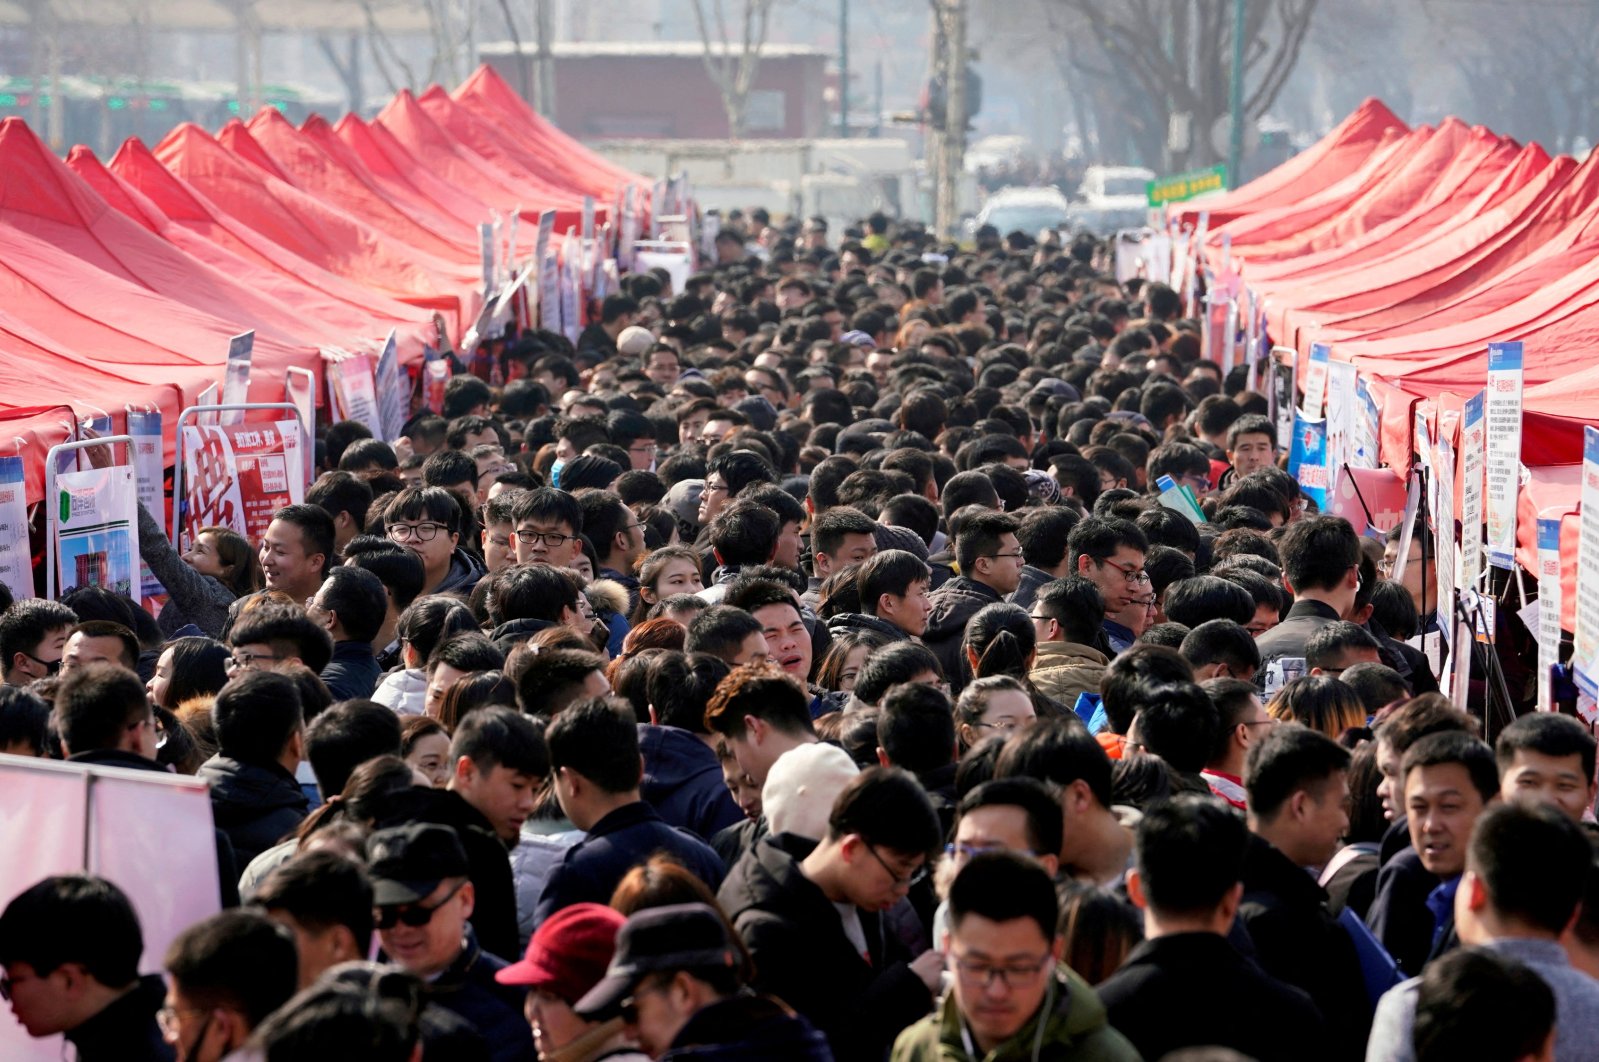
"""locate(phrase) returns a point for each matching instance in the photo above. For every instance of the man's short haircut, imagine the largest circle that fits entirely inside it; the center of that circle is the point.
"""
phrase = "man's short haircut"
(1377, 685)
(496, 736)
(239, 959)
(99, 628)
(1076, 604)
(316, 529)
(598, 738)
(97, 703)
(968, 488)
(912, 512)
(745, 533)
(890, 666)
(432, 502)
(887, 808)
(75, 918)
(1252, 424)
(341, 492)
(1318, 552)
(827, 534)
(740, 468)
(1130, 671)
(1206, 597)
(1178, 723)
(1479, 1003)
(788, 508)
(752, 592)
(1235, 702)
(1262, 591)
(397, 568)
(365, 453)
(1221, 641)
(1534, 861)
(531, 591)
(890, 571)
(1003, 887)
(466, 652)
(255, 715)
(321, 889)
(1437, 750)
(721, 631)
(550, 507)
(979, 536)
(1168, 527)
(1061, 751)
(916, 728)
(25, 624)
(346, 735)
(24, 719)
(288, 630)
(1038, 802)
(762, 690)
(1290, 758)
(1427, 713)
(1190, 853)
(553, 678)
(463, 394)
(357, 597)
(1329, 643)
(1099, 537)
(1548, 734)
(680, 686)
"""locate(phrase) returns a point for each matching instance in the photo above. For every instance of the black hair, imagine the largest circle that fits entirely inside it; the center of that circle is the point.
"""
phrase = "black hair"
(720, 630)
(341, 492)
(1533, 860)
(752, 592)
(827, 534)
(1003, 887)
(1205, 597)
(1099, 537)
(496, 736)
(466, 652)
(1076, 604)
(96, 703)
(240, 959)
(1190, 853)
(680, 686)
(24, 719)
(1436, 750)
(1002, 636)
(99, 628)
(1318, 552)
(967, 488)
(334, 1020)
(1178, 722)
(892, 665)
(256, 714)
(912, 512)
(1039, 803)
(1043, 533)
(74, 918)
(1234, 700)
(1330, 642)
(1221, 641)
(358, 599)
(1058, 750)
(1479, 1003)
(550, 507)
(321, 889)
(886, 807)
(316, 529)
(346, 735)
(1377, 685)
(1261, 590)
(1394, 610)
(1123, 679)
(530, 591)
(1290, 758)
(979, 536)
(340, 435)
(740, 468)
(430, 620)
(288, 630)
(432, 502)
(598, 739)
(890, 571)
(916, 728)
(27, 623)
(745, 533)
(397, 568)
(1549, 734)
(546, 682)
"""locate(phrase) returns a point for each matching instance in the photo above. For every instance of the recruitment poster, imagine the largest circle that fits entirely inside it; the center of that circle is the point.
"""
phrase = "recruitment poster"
(16, 562)
(95, 531)
(1340, 418)
(1316, 379)
(1307, 460)
(1443, 465)
(1586, 654)
(238, 477)
(352, 391)
(1471, 441)
(571, 287)
(393, 395)
(1284, 394)
(1503, 425)
(1549, 607)
(148, 469)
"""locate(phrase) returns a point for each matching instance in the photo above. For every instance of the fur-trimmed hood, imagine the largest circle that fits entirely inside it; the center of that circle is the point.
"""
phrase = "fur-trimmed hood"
(607, 595)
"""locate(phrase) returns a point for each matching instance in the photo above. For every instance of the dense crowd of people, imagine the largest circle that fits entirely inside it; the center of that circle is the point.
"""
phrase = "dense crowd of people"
(803, 665)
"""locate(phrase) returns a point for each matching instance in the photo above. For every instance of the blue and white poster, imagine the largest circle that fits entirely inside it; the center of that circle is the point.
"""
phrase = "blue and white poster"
(1586, 655)
(1307, 460)
(16, 562)
(1503, 417)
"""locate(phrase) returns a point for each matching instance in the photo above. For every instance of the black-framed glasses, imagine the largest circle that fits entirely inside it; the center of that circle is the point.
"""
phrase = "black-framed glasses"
(415, 914)
(996, 556)
(1040, 619)
(248, 661)
(909, 881)
(552, 539)
(1011, 975)
(1135, 576)
(424, 532)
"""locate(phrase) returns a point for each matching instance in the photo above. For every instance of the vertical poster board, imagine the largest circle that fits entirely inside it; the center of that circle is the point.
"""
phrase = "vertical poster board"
(1503, 426)
(1549, 606)
(236, 378)
(238, 477)
(1586, 649)
(1316, 379)
(148, 469)
(393, 397)
(16, 561)
(94, 530)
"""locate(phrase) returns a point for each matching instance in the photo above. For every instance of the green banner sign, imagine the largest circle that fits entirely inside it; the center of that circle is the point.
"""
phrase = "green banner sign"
(1187, 185)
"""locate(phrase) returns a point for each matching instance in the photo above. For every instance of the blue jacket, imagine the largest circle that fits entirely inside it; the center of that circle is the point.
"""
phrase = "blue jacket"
(626, 837)
(353, 672)
(468, 989)
(683, 781)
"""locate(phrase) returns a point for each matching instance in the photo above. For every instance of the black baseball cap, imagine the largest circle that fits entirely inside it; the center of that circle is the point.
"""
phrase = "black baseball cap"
(684, 936)
(408, 862)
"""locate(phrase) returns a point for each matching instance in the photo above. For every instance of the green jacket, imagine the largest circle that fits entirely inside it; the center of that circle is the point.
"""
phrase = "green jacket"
(1074, 1031)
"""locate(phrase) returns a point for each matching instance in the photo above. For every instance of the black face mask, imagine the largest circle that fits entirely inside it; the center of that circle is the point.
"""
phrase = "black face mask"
(193, 1051)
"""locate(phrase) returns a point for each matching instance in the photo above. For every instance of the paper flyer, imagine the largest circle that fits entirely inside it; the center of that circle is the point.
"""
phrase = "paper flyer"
(148, 469)
(1503, 461)
(1585, 656)
(354, 392)
(236, 378)
(1549, 607)
(1471, 442)
(16, 561)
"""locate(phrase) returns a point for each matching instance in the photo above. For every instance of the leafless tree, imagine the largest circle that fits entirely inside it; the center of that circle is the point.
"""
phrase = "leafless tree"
(733, 63)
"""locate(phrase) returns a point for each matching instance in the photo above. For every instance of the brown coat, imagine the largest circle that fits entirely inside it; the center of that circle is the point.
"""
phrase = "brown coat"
(1062, 670)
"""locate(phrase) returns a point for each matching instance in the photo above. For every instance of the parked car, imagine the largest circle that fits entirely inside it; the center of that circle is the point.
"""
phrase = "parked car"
(1111, 198)
(1028, 210)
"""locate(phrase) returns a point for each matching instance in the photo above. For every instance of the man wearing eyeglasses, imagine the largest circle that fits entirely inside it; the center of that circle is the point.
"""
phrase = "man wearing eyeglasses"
(990, 559)
(427, 521)
(1109, 553)
(1010, 995)
(548, 523)
(422, 897)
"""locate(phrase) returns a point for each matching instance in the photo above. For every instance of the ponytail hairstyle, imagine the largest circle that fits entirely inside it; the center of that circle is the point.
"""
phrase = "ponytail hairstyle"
(999, 641)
